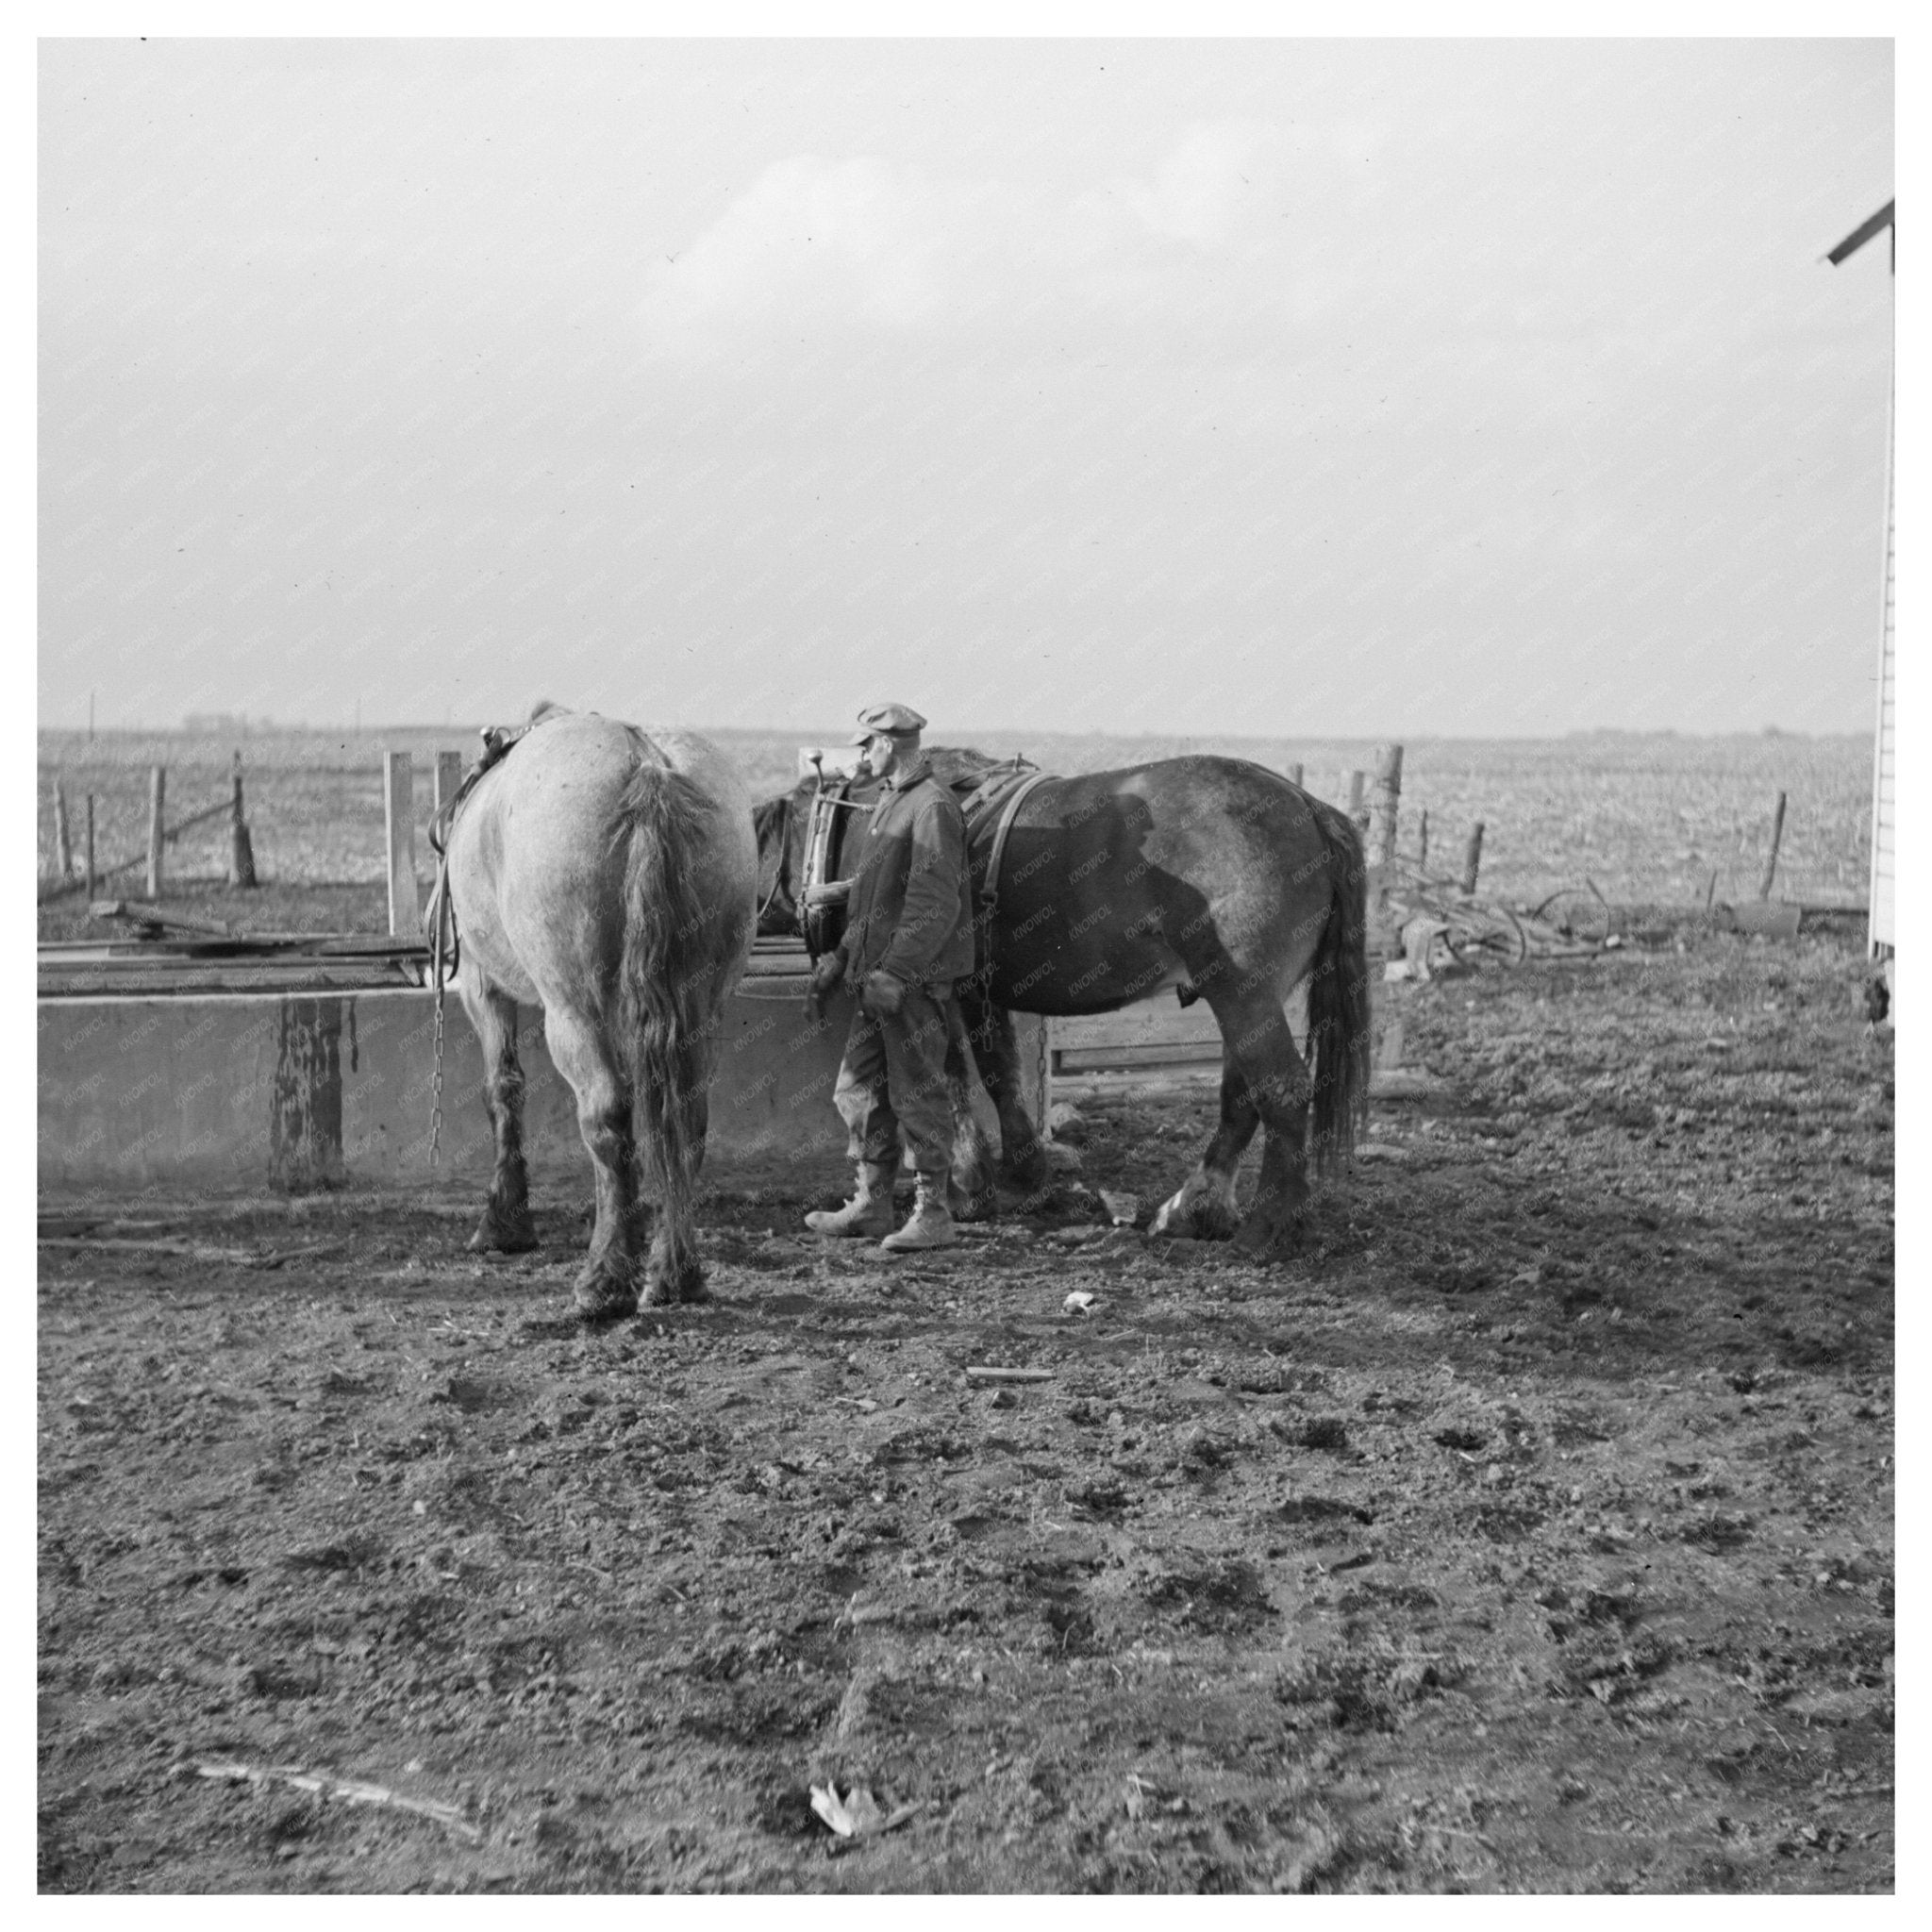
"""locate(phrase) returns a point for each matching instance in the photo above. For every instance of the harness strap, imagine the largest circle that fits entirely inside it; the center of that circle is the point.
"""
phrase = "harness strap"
(1015, 798)
(992, 787)
(825, 802)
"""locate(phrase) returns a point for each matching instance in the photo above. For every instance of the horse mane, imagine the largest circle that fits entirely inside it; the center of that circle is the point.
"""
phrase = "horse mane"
(769, 813)
(958, 765)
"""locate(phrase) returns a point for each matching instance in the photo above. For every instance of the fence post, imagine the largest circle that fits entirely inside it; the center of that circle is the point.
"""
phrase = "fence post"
(1351, 783)
(1294, 774)
(1778, 832)
(1382, 811)
(90, 848)
(1473, 857)
(63, 842)
(398, 799)
(242, 860)
(449, 778)
(156, 795)
(1421, 859)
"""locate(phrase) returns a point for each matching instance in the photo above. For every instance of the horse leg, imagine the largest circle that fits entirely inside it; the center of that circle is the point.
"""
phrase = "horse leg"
(606, 1286)
(970, 1193)
(1280, 1089)
(507, 1226)
(1204, 1209)
(673, 1273)
(991, 1029)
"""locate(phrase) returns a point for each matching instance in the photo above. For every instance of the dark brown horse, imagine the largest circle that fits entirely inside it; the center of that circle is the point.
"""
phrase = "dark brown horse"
(1211, 875)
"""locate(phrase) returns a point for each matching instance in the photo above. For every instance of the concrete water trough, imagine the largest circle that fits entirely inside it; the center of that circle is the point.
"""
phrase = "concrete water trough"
(307, 1066)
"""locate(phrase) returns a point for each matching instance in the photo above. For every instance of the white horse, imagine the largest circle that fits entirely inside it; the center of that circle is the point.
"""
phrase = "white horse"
(610, 877)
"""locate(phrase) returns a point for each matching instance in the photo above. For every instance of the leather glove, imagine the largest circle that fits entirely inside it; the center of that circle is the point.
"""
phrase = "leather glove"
(882, 997)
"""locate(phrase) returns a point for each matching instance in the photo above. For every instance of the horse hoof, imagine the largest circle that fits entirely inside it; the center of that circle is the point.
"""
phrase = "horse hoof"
(600, 1299)
(1196, 1216)
(662, 1292)
(503, 1236)
(964, 1206)
(1269, 1237)
(1028, 1168)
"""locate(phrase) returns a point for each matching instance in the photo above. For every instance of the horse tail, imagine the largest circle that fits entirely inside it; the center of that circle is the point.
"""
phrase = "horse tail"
(1338, 994)
(665, 972)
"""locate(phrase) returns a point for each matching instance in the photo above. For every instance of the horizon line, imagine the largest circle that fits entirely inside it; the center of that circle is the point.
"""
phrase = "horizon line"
(271, 728)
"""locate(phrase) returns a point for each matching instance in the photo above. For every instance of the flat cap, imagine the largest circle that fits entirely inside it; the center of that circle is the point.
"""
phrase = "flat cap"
(895, 719)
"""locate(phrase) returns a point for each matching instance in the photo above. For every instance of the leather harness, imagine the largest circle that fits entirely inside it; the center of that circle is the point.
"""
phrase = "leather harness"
(441, 915)
(1011, 790)
(1003, 790)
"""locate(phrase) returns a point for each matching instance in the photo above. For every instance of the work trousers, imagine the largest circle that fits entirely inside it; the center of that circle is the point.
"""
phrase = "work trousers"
(893, 1082)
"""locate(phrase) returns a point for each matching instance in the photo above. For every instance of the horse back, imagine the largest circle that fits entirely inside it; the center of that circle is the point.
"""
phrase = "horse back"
(1174, 872)
(538, 856)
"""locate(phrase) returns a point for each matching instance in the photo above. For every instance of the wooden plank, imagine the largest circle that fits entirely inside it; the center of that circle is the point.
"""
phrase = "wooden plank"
(265, 945)
(137, 914)
(1097, 1058)
(1777, 833)
(449, 778)
(399, 826)
(198, 985)
(1385, 803)
(1774, 920)
(156, 796)
(63, 841)
(1159, 1021)
(1473, 856)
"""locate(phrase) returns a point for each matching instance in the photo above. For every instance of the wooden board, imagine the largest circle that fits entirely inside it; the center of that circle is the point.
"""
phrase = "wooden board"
(1160, 1022)
(1156, 1032)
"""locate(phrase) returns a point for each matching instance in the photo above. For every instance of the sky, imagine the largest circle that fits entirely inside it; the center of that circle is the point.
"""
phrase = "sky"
(1323, 388)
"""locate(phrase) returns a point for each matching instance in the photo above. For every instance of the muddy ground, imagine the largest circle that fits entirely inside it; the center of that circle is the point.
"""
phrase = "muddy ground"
(1532, 1531)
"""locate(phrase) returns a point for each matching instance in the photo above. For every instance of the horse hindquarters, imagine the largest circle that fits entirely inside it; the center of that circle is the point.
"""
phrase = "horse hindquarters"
(1338, 1011)
(1265, 1080)
(679, 938)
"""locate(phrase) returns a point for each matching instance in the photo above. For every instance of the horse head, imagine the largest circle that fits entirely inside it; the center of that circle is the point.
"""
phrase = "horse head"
(784, 823)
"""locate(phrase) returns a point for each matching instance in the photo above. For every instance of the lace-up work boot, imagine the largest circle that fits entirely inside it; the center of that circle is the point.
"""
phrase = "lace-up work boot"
(931, 1225)
(868, 1212)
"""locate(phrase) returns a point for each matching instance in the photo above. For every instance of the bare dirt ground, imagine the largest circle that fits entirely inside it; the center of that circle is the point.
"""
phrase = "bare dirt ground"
(1531, 1531)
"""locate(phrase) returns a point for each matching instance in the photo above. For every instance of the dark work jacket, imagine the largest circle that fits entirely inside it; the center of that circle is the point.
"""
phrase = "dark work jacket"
(910, 911)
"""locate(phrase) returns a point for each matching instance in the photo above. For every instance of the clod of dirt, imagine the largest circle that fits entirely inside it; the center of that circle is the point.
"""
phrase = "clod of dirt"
(1320, 1432)
(1322, 1510)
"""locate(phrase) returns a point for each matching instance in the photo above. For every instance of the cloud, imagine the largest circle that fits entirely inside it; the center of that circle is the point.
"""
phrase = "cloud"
(859, 246)
(1212, 186)
(853, 242)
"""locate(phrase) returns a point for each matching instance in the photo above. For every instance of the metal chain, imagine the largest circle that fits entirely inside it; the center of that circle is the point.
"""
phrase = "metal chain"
(436, 1080)
(439, 927)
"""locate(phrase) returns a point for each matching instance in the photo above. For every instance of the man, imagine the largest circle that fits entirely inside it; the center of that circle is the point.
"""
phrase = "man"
(908, 936)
